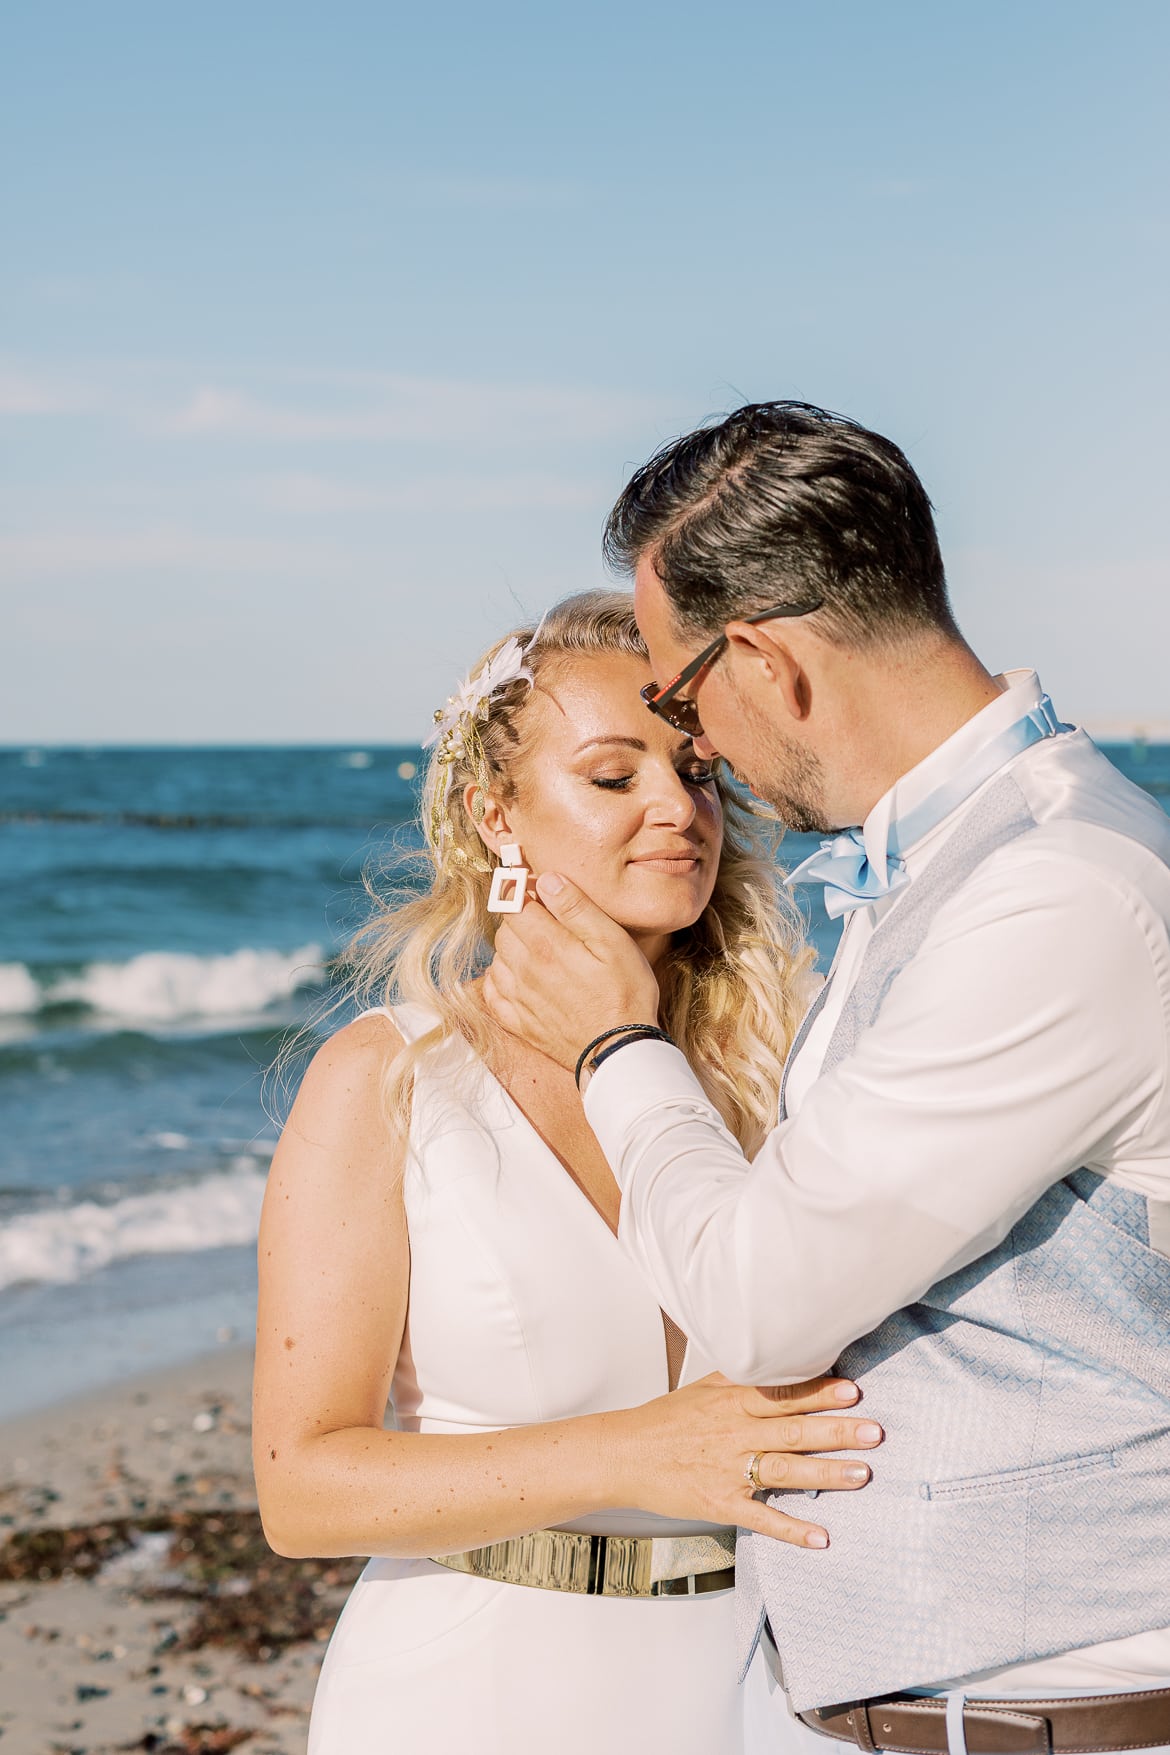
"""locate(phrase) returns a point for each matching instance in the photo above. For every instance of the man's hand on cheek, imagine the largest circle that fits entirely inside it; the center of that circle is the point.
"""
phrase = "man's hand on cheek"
(563, 972)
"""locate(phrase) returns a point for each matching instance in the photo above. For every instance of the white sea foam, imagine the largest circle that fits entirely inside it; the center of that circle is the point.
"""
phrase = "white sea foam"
(66, 1243)
(19, 992)
(169, 986)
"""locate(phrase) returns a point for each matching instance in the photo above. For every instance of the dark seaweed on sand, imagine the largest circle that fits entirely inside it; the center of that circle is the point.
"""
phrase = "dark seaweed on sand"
(192, 1740)
(243, 1595)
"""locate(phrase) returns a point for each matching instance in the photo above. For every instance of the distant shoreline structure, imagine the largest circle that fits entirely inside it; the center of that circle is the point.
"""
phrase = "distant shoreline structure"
(1155, 729)
(357, 752)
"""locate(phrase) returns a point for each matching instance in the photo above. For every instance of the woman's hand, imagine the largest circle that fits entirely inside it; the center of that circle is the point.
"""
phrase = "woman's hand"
(687, 1454)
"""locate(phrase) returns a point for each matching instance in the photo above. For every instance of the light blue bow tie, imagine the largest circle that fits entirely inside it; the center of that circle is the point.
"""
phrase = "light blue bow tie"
(842, 863)
(850, 877)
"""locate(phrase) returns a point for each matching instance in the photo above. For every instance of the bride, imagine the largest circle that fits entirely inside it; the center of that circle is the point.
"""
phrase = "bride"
(552, 1517)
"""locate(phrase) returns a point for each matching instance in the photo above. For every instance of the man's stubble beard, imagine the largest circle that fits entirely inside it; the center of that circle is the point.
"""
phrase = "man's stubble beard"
(789, 777)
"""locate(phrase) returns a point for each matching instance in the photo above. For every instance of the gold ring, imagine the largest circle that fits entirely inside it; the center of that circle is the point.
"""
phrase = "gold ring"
(752, 1472)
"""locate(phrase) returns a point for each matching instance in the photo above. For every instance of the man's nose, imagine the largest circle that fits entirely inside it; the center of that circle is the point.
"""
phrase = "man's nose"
(703, 746)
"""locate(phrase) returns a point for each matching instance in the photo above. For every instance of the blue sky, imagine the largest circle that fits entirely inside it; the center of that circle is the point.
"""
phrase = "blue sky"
(328, 335)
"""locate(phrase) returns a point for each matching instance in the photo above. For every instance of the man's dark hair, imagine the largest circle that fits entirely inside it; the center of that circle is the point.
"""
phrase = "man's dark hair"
(782, 502)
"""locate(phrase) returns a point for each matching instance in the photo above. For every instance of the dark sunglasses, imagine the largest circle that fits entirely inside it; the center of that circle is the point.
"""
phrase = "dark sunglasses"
(681, 711)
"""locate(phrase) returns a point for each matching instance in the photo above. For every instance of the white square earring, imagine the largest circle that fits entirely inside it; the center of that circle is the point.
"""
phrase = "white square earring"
(509, 882)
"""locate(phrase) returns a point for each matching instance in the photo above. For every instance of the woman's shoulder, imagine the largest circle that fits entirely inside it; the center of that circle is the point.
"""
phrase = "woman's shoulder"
(340, 1136)
(372, 1035)
(409, 1019)
(344, 1081)
(349, 1068)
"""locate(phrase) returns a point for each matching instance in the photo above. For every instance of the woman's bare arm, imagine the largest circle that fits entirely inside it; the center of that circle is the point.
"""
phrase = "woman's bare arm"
(334, 1275)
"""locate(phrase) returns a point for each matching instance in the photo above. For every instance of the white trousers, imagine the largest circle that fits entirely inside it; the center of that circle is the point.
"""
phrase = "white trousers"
(769, 1727)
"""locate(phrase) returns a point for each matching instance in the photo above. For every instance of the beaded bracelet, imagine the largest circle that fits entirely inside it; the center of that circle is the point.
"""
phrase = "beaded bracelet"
(630, 1033)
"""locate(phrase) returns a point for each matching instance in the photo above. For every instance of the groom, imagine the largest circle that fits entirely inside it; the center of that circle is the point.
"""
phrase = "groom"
(967, 1197)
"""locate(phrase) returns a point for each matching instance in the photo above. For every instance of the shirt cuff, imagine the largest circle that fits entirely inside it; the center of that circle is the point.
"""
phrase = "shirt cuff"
(629, 1085)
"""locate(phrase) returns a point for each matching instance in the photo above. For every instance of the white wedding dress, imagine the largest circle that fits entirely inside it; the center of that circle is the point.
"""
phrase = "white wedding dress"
(522, 1308)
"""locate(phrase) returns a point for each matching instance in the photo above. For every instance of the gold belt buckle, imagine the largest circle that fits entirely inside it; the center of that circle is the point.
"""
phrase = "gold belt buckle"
(605, 1566)
(622, 1566)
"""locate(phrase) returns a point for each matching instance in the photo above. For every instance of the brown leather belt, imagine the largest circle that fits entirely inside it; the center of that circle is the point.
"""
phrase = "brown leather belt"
(914, 1725)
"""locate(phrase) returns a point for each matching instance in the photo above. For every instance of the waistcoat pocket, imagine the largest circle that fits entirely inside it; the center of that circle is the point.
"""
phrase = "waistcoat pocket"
(1010, 1481)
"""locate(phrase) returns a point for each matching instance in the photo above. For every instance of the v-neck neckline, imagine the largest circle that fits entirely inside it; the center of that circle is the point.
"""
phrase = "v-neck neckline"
(527, 1122)
(530, 1126)
(495, 1083)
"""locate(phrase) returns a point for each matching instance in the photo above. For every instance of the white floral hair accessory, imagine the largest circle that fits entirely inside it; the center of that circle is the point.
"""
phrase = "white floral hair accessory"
(457, 734)
(474, 693)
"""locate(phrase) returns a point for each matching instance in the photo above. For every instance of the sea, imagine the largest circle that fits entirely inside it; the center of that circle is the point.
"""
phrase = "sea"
(168, 921)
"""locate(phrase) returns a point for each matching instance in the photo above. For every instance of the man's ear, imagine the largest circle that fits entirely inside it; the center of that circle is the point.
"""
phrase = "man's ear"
(774, 662)
(489, 816)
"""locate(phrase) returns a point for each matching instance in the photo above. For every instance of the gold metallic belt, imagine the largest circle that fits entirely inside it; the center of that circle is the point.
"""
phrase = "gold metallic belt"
(605, 1566)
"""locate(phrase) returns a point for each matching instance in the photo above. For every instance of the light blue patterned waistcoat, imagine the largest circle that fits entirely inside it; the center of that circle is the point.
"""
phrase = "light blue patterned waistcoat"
(1021, 1502)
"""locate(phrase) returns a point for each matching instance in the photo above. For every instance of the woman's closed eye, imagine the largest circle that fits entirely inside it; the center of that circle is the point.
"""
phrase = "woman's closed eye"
(692, 776)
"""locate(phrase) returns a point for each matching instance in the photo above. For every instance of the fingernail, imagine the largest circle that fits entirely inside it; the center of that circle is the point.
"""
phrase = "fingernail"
(868, 1432)
(846, 1392)
(549, 884)
(816, 1539)
(855, 1472)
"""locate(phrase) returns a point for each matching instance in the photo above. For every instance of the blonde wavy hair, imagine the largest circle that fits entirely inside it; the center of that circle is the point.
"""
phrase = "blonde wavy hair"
(731, 986)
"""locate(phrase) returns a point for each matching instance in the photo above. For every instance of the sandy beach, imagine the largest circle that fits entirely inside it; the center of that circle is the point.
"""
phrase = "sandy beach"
(140, 1608)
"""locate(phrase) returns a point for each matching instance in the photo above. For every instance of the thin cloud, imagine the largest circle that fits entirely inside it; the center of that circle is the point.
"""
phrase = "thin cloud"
(86, 554)
(25, 393)
(305, 406)
(322, 495)
(380, 409)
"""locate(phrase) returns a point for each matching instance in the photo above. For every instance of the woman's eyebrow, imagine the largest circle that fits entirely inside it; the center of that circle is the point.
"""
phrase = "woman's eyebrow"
(629, 743)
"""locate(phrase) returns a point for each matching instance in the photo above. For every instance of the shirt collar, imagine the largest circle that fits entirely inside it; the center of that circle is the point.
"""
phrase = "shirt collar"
(1021, 692)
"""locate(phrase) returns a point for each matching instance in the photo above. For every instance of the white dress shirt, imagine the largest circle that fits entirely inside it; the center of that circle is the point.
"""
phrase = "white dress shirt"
(1028, 1037)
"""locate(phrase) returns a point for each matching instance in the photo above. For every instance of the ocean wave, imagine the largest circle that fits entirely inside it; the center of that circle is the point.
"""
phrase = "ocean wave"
(62, 1244)
(20, 993)
(55, 1049)
(166, 986)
